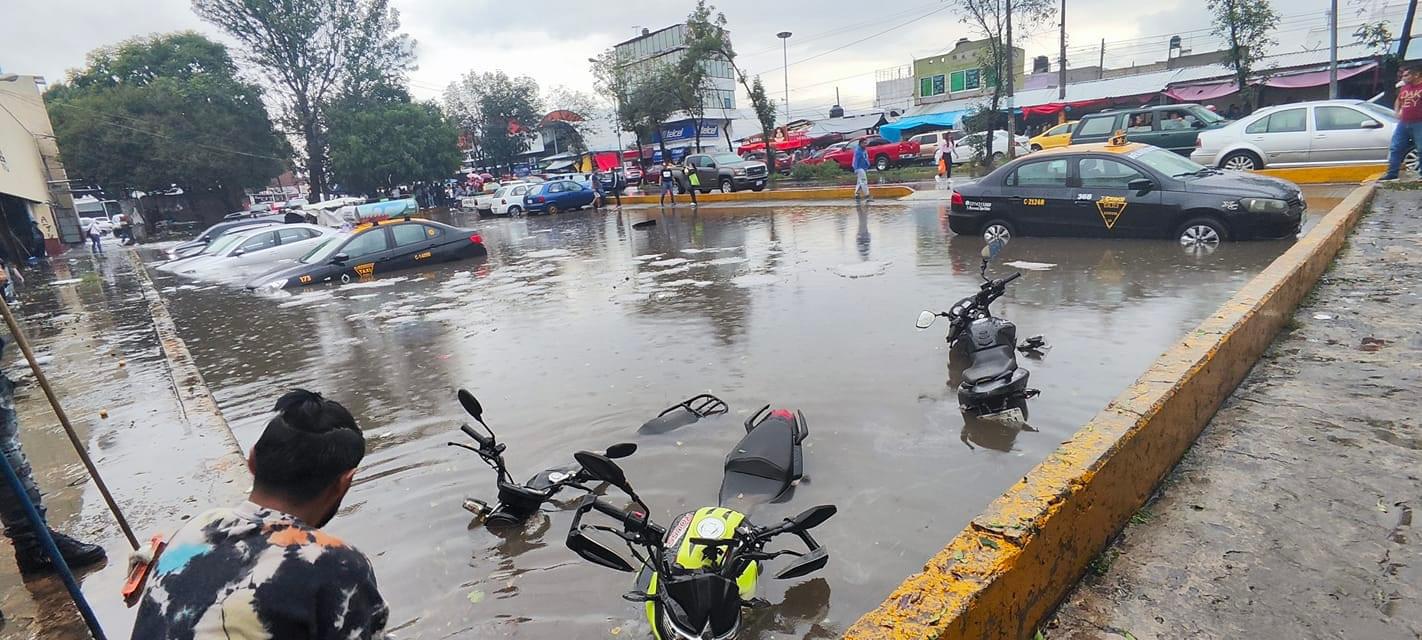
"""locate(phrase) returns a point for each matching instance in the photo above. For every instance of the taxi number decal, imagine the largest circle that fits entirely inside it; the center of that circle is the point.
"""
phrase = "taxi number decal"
(1111, 208)
(305, 279)
(973, 205)
(365, 270)
(422, 256)
(1035, 202)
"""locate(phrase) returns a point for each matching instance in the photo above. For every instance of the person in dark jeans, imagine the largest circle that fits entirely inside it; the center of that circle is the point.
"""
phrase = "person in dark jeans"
(29, 555)
(1408, 106)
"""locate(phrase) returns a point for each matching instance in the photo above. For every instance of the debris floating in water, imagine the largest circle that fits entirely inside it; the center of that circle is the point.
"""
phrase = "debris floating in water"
(1030, 266)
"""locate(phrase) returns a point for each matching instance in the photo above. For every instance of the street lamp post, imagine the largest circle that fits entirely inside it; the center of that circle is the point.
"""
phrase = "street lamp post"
(785, 60)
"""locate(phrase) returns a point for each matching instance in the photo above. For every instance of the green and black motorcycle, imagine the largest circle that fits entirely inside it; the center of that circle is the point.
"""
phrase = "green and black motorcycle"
(698, 576)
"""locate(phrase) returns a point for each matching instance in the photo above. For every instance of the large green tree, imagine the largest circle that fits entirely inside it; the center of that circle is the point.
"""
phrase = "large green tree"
(165, 110)
(313, 52)
(1248, 28)
(384, 139)
(502, 112)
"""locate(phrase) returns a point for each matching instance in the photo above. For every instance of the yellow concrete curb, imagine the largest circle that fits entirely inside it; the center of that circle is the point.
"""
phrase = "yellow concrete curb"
(1007, 570)
(890, 191)
(1346, 174)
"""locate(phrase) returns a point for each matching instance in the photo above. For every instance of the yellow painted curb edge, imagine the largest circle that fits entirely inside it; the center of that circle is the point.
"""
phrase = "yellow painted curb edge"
(1344, 174)
(1007, 570)
(888, 191)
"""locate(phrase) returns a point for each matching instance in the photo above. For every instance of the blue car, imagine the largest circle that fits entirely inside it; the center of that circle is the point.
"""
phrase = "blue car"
(557, 195)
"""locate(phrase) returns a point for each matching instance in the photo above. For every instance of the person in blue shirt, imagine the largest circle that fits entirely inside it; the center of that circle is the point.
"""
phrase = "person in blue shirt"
(861, 169)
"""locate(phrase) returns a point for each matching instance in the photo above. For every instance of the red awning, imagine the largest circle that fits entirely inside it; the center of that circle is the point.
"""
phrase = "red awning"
(780, 145)
(1315, 78)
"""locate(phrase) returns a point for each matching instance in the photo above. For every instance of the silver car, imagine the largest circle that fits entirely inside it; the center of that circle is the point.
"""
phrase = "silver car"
(1321, 132)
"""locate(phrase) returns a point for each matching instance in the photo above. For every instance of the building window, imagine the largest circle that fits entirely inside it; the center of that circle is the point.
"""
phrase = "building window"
(925, 87)
(938, 85)
(965, 80)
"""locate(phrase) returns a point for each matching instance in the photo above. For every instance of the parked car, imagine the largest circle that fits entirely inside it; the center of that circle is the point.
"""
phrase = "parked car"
(1174, 127)
(372, 249)
(1125, 191)
(196, 245)
(245, 253)
(821, 156)
(1058, 136)
(726, 171)
(484, 202)
(508, 200)
(556, 196)
(1302, 134)
(928, 142)
(633, 173)
(970, 147)
(783, 161)
(882, 153)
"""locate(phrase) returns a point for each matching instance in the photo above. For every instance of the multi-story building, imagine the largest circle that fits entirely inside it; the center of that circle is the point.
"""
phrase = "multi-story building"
(664, 47)
(34, 188)
(959, 73)
(894, 89)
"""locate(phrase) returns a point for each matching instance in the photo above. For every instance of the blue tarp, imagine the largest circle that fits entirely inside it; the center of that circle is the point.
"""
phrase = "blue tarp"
(894, 130)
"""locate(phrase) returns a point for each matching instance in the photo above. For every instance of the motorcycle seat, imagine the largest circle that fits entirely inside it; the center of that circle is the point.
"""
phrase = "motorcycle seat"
(763, 464)
(990, 364)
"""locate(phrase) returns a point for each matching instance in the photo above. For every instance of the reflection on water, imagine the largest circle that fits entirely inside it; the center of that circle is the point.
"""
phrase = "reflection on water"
(579, 328)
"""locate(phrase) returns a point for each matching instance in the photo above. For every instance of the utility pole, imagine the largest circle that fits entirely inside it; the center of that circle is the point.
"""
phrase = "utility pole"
(1333, 50)
(1406, 36)
(785, 60)
(1061, 62)
(1101, 63)
(1011, 124)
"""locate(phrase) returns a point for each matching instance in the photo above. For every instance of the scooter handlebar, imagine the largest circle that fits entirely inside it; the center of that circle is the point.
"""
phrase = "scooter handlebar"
(484, 441)
(632, 520)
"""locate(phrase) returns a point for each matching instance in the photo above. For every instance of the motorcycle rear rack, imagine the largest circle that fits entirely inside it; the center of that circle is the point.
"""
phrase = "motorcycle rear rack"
(701, 406)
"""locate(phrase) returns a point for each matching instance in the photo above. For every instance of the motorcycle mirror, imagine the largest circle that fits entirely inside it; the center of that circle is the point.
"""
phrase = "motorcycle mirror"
(814, 516)
(471, 405)
(805, 565)
(925, 319)
(594, 552)
(602, 468)
(621, 450)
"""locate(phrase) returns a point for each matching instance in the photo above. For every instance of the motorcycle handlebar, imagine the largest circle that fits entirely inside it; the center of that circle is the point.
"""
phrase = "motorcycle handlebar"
(1012, 277)
(483, 440)
(632, 520)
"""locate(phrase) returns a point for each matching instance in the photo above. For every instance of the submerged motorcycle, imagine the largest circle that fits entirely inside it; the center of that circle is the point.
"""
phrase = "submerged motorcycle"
(696, 577)
(517, 502)
(992, 383)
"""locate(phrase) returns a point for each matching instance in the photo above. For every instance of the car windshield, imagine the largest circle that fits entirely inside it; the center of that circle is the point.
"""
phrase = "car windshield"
(1206, 116)
(726, 158)
(227, 240)
(325, 250)
(1379, 111)
(1168, 162)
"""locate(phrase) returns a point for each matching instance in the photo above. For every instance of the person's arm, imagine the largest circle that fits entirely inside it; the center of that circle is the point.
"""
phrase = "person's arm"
(349, 604)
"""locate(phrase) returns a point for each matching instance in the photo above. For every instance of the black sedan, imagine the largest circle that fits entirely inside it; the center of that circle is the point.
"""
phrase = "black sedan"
(1126, 190)
(376, 248)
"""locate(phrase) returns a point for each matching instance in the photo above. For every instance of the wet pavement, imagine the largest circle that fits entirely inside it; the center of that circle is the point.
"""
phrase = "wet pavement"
(1292, 515)
(579, 328)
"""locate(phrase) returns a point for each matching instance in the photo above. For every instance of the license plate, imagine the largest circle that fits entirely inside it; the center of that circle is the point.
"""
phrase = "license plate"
(1011, 417)
(759, 183)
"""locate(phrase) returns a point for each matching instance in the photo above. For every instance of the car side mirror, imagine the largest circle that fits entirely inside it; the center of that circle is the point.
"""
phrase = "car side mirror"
(238, 253)
(1372, 124)
(1198, 124)
(339, 258)
(1141, 184)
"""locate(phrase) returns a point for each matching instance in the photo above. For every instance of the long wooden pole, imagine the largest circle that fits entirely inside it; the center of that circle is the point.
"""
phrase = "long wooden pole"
(64, 421)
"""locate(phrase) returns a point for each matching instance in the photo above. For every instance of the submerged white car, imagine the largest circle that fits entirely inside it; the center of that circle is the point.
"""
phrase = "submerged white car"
(508, 200)
(238, 256)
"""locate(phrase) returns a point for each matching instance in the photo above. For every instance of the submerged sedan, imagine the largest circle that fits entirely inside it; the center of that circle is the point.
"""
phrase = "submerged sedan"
(242, 254)
(1125, 190)
(376, 248)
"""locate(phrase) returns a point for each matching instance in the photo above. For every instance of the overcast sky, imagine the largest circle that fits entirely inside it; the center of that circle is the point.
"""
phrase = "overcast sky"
(552, 41)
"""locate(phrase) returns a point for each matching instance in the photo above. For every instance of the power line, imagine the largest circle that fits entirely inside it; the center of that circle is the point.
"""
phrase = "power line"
(850, 44)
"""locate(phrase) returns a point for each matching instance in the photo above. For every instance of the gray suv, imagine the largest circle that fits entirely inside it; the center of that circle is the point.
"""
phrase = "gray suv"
(726, 171)
(1174, 127)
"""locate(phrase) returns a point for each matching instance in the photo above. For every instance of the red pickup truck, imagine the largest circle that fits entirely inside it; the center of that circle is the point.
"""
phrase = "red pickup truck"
(882, 153)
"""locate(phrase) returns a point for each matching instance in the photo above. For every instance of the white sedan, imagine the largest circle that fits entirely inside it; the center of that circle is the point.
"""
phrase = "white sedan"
(969, 148)
(240, 255)
(485, 201)
(508, 200)
(1300, 134)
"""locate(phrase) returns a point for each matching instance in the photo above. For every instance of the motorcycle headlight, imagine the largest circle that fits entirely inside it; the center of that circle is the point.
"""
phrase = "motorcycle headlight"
(683, 635)
(1264, 205)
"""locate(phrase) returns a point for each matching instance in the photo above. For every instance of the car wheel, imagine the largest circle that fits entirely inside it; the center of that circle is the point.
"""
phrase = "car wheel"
(997, 231)
(1409, 161)
(1201, 233)
(553, 210)
(514, 210)
(998, 156)
(1036, 147)
(881, 163)
(727, 186)
(1241, 161)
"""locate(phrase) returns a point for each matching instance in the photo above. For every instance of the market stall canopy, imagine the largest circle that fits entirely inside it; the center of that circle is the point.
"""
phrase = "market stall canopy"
(559, 165)
(1316, 78)
(1202, 92)
(894, 130)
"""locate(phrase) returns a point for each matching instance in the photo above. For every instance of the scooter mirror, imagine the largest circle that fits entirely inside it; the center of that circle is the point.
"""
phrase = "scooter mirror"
(471, 405)
(621, 450)
(925, 319)
(602, 468)
(814, 516)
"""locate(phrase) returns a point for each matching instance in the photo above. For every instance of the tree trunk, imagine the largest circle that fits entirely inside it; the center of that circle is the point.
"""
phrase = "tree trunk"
(315, 163)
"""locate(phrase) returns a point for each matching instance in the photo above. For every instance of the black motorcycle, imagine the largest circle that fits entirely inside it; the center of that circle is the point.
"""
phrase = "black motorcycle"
(992, 383)
(519, 501)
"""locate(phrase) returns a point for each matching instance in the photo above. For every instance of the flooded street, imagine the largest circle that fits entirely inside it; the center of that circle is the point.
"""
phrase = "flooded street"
(578, 328)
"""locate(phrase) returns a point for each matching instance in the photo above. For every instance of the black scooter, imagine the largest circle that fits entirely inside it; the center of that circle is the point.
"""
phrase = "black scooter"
(519, 501)
(992, 383)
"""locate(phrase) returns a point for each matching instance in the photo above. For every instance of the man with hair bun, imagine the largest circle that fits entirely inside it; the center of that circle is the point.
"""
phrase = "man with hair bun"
(264, 569)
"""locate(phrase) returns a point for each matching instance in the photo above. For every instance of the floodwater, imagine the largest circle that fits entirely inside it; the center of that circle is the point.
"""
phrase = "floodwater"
(578, 328)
